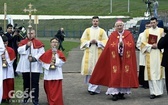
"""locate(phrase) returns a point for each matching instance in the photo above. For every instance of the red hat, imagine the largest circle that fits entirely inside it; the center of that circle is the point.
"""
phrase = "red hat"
(119, 21)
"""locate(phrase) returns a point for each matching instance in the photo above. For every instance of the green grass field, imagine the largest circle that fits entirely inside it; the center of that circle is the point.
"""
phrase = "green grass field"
(75, 27)
(80, 7)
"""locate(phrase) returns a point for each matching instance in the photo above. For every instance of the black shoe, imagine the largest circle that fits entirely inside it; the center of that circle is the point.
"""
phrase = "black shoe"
(7, 100)
(145, 87)
(25, 100)
(63, 49)
(3, 100)
(92, 93)
(152, 96)
(121, 96)
(35, 103)
(115, 97)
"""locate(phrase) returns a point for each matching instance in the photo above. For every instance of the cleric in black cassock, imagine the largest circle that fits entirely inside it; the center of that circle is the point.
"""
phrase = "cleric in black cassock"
(13, 40)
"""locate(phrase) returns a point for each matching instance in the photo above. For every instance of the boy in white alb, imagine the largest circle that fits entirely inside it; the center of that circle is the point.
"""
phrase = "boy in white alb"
(8, 58)
(52, 61)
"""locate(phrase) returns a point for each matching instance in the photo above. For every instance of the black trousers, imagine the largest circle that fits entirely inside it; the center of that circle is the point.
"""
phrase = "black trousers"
(34, 86)
(15, 62)
(166, 78)
(141, 77)
(60, 46)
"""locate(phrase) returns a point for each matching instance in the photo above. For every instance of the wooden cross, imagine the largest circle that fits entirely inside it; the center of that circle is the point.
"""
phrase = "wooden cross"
(30, 10)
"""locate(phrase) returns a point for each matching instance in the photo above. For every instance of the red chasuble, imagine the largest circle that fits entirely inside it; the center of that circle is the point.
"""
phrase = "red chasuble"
(47, 56)
(11, 53)
(36, 43)
(115, 71)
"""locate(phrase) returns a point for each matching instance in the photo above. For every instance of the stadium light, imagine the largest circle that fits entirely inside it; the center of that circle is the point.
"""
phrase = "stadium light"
(111, 4)
(128, 6)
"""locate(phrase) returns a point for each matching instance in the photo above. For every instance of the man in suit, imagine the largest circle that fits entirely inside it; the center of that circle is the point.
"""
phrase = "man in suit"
(60, 35)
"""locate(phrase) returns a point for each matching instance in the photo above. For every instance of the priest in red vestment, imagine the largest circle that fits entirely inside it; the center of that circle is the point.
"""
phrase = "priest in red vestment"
(117, 67)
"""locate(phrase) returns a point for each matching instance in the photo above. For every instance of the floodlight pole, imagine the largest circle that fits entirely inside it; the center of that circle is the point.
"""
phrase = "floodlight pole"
(111, 5)
(30, 10)
(128, 6)
(5, 12)
(36, 21)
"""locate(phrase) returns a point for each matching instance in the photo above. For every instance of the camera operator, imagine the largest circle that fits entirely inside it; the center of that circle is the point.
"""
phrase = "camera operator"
(155, 8)
(148, 4)
(16, 39)
(13, 39)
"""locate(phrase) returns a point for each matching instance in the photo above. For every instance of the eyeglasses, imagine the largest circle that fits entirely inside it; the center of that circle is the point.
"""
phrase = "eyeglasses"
(54, 42)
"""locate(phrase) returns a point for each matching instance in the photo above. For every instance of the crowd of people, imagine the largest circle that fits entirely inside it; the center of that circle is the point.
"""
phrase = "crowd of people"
(108, 61)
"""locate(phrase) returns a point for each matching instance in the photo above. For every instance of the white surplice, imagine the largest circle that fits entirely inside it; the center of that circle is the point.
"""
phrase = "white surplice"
(24, 64)
(53, 74)
(141, 55)
(92, 52)
(8, 72)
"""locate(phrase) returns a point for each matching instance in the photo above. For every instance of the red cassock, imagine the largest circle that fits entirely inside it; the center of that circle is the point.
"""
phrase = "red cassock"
(53, 89)
(8, 84)
(115, 71)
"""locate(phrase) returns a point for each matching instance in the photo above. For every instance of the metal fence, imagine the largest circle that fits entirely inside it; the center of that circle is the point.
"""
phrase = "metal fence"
(52, 33)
